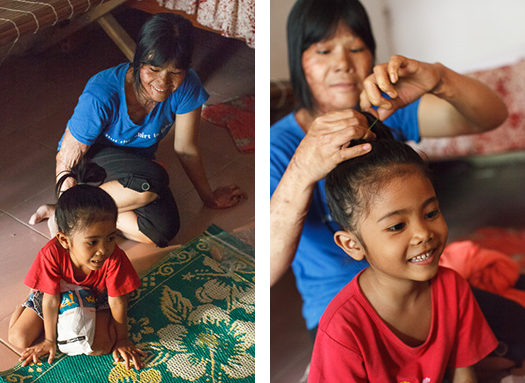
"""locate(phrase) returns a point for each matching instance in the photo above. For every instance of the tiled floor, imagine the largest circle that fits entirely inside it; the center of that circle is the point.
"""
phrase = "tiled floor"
(478, 192)
(39, 93)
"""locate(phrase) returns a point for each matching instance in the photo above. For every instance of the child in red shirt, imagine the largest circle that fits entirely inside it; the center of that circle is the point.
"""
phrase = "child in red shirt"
(82, 253)
(404, 318)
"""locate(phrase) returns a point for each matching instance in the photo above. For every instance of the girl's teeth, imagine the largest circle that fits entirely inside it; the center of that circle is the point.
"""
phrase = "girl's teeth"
(420, 258)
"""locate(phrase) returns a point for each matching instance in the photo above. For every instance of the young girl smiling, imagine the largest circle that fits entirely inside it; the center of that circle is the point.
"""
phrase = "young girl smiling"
(404, 318)
(83, 252)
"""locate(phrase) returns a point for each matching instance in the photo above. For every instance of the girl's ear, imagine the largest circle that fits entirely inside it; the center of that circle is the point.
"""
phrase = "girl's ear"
(63, 239)
(350, 244)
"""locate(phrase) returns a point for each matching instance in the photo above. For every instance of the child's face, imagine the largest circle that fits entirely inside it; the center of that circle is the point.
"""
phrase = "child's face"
(404, 231)
(90, 247)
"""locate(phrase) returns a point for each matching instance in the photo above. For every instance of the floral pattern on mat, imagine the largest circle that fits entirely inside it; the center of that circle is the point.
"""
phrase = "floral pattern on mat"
(194, 316)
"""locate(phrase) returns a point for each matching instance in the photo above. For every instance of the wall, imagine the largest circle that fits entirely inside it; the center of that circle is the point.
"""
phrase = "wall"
(465, 35)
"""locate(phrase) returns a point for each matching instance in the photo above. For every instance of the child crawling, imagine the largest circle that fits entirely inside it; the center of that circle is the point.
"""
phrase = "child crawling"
(403, 318)
(83, 253)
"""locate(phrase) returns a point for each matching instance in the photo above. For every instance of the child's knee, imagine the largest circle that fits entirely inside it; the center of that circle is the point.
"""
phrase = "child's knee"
(18, 338)
(102, 346)
(106, 336)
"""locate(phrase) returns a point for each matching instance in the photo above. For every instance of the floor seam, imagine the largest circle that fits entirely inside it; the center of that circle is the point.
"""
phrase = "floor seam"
(9, 347)
(25, 224)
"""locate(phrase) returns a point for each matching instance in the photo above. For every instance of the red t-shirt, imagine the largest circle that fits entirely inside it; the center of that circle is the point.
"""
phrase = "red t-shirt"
(53, 263)
(353, 344)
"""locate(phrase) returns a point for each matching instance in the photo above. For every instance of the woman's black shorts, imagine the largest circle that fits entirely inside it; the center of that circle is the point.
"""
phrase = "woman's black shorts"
(137, 170)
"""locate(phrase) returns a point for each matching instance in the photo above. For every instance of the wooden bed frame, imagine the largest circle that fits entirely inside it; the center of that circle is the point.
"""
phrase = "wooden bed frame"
(39, 25)
(43, 24)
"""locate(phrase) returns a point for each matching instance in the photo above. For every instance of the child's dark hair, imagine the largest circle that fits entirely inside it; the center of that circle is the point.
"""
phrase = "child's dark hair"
(83, 204)
(352, 184)
(166, 38)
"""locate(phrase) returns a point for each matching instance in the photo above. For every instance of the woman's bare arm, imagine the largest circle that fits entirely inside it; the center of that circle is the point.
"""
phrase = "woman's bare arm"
(451, 103)
(324, 146)
(187, 149)
(71, 151)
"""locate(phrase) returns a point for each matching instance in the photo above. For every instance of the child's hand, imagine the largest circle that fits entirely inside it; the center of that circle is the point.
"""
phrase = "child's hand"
(32, 354)
(126, 349)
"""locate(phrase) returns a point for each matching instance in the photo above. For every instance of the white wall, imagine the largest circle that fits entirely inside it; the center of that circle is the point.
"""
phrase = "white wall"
(465, 35)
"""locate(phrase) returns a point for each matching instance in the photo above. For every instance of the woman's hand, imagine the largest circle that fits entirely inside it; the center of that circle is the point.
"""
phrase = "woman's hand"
(326, 144)
(225, 197)
(403, 79)
(126, 349)
(32, 354)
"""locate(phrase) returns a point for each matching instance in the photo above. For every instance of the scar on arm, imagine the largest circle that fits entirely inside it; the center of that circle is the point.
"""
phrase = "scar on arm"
(71, 151)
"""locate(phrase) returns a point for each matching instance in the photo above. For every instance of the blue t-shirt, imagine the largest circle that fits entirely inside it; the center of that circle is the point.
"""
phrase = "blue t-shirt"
(321, 268)
(101, 115)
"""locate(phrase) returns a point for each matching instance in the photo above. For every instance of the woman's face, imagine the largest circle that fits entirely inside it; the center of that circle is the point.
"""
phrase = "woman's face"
(336, 68)
(159, 82)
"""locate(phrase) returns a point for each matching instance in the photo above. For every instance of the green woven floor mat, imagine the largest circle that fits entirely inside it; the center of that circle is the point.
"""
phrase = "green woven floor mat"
(194, 316)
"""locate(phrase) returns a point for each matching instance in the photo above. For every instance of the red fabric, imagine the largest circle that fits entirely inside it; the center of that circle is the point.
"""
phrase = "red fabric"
(353, 344)
(53, 263)
(509, 83)
(238, 115)
(486, 269)
(507, 240)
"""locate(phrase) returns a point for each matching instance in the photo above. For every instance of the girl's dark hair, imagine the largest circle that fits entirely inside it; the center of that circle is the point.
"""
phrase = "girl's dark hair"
(350, 187)
(311, 21)
(166, 38)
(83, 204)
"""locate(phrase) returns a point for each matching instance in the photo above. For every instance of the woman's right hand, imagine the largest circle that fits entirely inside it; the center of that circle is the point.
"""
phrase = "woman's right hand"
(32, 354)
(326, 143)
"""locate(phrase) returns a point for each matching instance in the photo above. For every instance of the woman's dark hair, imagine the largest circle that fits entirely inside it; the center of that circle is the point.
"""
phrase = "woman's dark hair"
(350, 187)
(84, 203)
(166, 38)
(311, 21)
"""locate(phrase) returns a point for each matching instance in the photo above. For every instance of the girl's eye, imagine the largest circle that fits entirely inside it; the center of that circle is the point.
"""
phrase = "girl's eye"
(91, 243)
(323, 51)
(358, 50)
(432, 214)
(111, 239)
(398, 227)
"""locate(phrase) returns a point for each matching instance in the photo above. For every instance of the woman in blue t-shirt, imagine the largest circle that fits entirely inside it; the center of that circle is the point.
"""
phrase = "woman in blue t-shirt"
(119, 120)
(331, 53)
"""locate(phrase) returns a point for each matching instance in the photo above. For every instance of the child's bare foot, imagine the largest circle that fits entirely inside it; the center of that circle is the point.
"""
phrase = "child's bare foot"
(43, 212)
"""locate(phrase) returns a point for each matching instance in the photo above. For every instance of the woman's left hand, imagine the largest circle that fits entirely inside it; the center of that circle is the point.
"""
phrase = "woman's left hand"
(403, 79)
(126, 349)
(226, 196)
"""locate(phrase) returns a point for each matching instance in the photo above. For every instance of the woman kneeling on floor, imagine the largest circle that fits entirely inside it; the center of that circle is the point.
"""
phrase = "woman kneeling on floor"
(120, 118)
